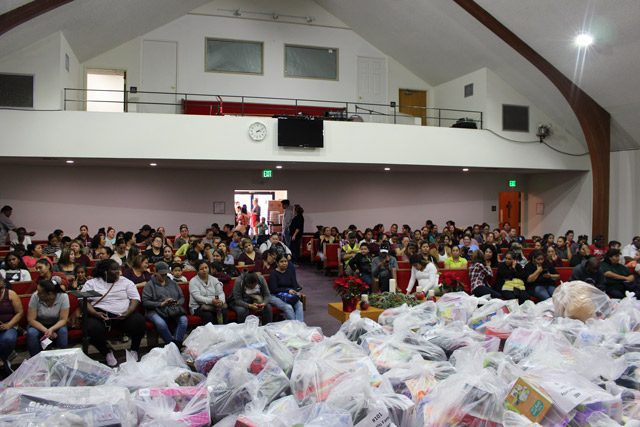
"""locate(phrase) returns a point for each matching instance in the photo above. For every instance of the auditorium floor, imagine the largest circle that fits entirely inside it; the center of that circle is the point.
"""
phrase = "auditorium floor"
(319, 291)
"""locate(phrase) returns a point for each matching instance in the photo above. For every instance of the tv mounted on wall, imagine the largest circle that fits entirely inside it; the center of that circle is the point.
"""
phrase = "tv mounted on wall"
(300, 132)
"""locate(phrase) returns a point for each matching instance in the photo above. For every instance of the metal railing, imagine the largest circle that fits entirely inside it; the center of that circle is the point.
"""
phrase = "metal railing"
(244, 105)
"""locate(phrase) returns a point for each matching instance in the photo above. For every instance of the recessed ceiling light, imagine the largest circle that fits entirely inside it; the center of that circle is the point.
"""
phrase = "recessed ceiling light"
(279, 167)
(387, 169)
(584, 40)
(153, 164)
(70, 162)
(465, 169)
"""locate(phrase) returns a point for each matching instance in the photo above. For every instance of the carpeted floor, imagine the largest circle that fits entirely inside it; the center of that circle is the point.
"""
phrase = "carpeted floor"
(319, 291)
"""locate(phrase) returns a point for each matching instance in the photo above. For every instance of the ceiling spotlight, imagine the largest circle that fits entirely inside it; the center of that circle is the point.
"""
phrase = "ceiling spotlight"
(279, 167)
(465, 169)
(309, 19)
(153, 164)
(237, 12)
(275, 16)
(387, 169)
(583, 40)
(70, 162)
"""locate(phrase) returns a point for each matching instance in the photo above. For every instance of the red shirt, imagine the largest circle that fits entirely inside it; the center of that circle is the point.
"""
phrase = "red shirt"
(597, 252)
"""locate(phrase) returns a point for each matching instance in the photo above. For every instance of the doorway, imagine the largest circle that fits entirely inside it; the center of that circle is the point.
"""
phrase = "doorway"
(372, 88)
(509, 208)
(105, 90)
(266, 199)
(413, 103)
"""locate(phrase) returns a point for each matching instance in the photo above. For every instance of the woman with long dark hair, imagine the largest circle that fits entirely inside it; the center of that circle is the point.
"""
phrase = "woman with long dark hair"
(48, 315)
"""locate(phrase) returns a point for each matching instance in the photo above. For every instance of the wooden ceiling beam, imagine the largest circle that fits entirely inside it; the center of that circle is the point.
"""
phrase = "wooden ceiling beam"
(594, 120)
(27, 12)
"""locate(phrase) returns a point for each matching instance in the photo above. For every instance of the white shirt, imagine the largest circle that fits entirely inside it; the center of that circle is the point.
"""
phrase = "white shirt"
(14, 240)
(117, 302)
(630, 251)
(427, 279)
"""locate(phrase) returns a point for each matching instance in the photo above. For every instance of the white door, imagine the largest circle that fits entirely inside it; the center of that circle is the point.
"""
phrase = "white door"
(372, 88)
(159, 74)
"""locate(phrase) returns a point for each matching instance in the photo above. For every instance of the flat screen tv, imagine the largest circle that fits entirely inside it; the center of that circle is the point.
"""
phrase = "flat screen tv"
(300, 132)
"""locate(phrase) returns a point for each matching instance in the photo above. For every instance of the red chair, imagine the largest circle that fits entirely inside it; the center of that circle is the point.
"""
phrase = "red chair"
(192, 319)
(565, 274)
(305, 252)
(22, 288)
(402, 280)
(189, 274)
(331, 259)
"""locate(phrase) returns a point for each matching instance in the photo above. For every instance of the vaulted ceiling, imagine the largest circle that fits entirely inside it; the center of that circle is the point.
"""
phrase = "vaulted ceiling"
(435, 39)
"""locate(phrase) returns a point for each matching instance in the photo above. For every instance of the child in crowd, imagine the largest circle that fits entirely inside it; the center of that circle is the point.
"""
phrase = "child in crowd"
(176, 273)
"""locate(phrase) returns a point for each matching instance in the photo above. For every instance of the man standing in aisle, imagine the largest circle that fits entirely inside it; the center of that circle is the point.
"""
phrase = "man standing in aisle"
(286, 221)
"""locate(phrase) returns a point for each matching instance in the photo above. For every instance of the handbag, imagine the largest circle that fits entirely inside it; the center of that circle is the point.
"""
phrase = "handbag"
(288, 298)
(168, 311)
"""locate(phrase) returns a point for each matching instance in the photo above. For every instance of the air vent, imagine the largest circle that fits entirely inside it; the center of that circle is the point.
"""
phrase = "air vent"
(16, 90)
(515, 118)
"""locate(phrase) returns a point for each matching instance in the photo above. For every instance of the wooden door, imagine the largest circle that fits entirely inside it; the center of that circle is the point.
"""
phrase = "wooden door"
(413, 103)
(509, 209)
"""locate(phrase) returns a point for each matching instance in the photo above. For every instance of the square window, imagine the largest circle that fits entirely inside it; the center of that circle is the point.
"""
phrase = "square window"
(468, 90)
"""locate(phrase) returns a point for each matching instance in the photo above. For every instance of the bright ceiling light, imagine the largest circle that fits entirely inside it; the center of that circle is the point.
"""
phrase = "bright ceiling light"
(387, 169)
(153, 164)
(279, 167)
(584, 40)
(465, 169)
(70, 162)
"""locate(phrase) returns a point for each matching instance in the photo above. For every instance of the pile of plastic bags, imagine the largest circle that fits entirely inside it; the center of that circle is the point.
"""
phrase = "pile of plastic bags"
(461, 361)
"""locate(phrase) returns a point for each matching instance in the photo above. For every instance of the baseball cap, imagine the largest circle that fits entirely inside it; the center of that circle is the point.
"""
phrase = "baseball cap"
(162, 267)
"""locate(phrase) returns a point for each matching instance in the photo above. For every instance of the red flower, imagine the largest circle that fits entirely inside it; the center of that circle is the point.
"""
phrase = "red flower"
(350, 287)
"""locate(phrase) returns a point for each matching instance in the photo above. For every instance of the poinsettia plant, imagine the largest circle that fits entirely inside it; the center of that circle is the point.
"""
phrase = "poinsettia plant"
(350, 287)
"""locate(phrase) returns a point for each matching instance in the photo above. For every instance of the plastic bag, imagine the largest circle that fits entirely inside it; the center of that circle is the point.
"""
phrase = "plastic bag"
(46, 406)
(455, 335)
(294, 335)
(317, 370)
(456, 306)
(285, 412)
(161, 367)
(245, 376)
(522, 342)
(483, 314)
(421, 316)
(173, 406)
(387, 317)
(462, 399)
(418, 377)
(59, 368)
(581, 301)
(388, 351)
(356, 326)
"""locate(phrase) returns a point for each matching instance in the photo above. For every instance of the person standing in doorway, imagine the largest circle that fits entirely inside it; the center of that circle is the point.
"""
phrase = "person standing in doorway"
(255, 216)
(295, 230)
(286, 221)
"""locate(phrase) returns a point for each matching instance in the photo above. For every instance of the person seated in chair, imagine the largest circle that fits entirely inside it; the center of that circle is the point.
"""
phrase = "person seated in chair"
(510, 279)
(285, 290)
(115, 308)
(479, 275)
(455, 261)
(423, 273)
(618, 278)
(541, 276)
(384, 267)
(348, 251)
(47, 316)
(589, 272)
(251, 296)
(360, 264)
(278, 246)
(163, 300)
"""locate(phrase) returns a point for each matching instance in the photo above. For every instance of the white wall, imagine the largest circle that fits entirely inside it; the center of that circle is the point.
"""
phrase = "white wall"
(451, 95)
(567, 199)
(128, 197)
(624, 203)
(72, 78)
(191, 30)
(41, 59)
(171, 136)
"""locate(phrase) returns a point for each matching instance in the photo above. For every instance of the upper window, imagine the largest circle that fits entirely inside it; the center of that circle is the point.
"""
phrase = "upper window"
(233, 56)
(515, 118)
(16, 90)
(311, 62)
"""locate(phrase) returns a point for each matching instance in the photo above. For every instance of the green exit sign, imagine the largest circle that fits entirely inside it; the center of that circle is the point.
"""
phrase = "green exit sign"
(267, 173)
(512, 183)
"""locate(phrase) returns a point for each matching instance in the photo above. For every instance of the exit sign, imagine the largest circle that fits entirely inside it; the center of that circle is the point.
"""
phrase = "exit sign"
(267, 173)
(512, 183)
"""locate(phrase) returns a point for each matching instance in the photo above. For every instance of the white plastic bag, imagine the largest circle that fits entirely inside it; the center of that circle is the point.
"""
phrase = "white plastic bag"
(173, 406)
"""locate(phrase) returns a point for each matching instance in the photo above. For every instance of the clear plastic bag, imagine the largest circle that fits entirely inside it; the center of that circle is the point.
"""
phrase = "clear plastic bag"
(455, 335)
(388, 351)
(45, 406)
(356, 326)
(456, 306)
(173, 406)
(161, 367)
(483, 314)
(388, 316)
(418, 377)
(59, 368)
(522, 342)
(245, 376)
(581, 301)
(421, 316)
(294, 335)
(318, 370)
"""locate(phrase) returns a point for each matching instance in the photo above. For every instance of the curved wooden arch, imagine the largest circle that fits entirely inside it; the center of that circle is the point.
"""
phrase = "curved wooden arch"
(594, 120)
(27, 12)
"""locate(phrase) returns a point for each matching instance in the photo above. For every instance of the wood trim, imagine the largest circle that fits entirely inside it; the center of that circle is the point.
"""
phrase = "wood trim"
(27, 12)
(594, 120)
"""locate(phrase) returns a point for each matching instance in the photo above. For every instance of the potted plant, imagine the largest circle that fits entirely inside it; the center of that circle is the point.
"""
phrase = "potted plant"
(350, 288)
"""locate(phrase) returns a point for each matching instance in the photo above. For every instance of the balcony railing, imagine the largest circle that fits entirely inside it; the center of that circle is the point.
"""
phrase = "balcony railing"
(243, 105)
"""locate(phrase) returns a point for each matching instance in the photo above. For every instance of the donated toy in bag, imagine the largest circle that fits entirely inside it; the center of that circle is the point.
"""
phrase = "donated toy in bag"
(528, 400)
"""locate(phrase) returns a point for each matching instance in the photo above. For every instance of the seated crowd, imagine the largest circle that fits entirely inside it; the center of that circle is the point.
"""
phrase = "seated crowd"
(149, 277)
